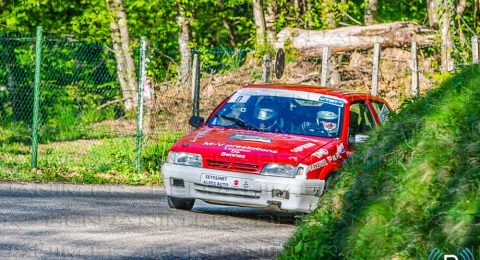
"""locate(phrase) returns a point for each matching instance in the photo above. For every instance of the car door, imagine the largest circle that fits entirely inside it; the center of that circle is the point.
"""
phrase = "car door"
(361, 122)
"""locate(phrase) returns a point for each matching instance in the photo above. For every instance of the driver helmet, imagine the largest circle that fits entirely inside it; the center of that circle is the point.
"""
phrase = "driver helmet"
(266, 115)
(328, 120)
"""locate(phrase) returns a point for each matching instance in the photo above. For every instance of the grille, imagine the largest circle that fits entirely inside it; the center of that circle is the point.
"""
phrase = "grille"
(232, 166)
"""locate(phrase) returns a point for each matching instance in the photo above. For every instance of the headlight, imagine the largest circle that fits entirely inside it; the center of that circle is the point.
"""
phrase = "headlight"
(189, 159)
(280, 170)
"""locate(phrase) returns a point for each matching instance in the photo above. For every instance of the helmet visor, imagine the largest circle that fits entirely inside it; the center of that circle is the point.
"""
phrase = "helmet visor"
(326, 115)
(266, 114)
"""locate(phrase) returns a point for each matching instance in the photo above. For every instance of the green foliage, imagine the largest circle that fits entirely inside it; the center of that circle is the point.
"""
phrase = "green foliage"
(109, 160)
(291, 53)
(90, 20)
(155, 154)
(390, 11)
(414, 185)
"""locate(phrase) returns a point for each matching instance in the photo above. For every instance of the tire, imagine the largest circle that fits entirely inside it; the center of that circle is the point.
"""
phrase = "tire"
(329, 182)
(178, 203)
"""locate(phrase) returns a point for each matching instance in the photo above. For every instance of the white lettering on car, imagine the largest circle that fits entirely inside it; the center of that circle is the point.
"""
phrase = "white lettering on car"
(242, 148)
(333, 157)
(294, 158)
(200, 134)
(317, 165)
(213, 144)
(238, 150)
(331, 101)
(302, 147)
(250, 148)
(233, 155)
(320, 153)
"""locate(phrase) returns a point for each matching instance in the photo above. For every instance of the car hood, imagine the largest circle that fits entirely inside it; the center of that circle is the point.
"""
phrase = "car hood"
(227, 145)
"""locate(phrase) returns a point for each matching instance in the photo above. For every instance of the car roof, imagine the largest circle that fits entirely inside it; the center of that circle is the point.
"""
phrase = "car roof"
(341, 93)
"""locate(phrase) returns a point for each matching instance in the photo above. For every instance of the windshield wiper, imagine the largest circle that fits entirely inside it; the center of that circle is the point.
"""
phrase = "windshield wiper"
(238, 122)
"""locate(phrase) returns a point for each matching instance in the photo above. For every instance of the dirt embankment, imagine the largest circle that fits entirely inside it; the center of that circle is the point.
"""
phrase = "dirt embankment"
(172, 104)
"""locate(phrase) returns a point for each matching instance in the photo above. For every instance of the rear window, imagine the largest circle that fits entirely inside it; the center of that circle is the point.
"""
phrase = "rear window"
(381, 109)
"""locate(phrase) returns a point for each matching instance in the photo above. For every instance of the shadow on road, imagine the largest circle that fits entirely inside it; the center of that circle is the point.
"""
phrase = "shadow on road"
(277, 217)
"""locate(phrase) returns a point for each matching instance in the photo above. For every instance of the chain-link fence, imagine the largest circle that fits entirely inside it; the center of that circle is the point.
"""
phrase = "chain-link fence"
(61, 102)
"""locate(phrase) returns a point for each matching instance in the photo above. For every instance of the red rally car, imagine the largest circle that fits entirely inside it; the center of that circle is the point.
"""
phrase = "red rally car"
(273, 146)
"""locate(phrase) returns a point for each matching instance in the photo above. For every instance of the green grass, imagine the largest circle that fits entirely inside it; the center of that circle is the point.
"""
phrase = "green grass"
(107, 160)
(413, 186)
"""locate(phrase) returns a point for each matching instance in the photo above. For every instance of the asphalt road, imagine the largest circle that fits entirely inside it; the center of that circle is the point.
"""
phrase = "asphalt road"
(63, 221)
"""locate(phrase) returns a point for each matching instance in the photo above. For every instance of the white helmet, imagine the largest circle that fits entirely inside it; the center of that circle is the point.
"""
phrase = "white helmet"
(328, 116)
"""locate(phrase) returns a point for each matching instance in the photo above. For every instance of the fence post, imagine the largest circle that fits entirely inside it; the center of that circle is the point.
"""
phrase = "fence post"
(325, 58)
(375, 65)
(36, 96)
(414, 70)
(475, 49)
(196, 84)
(141, 81)
(266, 69)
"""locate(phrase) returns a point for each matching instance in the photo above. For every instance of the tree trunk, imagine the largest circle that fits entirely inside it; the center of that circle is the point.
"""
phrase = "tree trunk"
(460, 9)
(344, 17)
(305, 14)
(121, 47)
(475, 13)
(370, 16)
(331, 23)
(296, 9)
(183, 43)
(270, 20)
(461, 5)
(226, 24)
(259, 21)
(447, 43)
(432, 11)
(330, 14)
(398, 34)
(308, 22)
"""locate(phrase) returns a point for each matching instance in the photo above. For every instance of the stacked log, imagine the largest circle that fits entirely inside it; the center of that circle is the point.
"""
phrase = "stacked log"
(310, 43)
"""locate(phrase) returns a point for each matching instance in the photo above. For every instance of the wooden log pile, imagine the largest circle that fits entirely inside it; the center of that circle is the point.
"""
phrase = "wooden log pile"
(310, 43)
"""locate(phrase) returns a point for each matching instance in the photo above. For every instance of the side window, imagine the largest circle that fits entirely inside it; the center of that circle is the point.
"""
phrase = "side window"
(381, 109)
(361, 121)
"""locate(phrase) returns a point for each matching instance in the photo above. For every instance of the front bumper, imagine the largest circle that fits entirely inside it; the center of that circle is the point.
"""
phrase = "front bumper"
(290, 194)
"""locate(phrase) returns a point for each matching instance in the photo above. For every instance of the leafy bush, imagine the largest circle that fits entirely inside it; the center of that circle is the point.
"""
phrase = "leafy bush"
(413, 186)
(154, 155)
(219, 60)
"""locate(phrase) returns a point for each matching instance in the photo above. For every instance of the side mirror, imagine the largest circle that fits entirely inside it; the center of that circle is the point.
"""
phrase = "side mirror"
(196, 121)
(358, 138)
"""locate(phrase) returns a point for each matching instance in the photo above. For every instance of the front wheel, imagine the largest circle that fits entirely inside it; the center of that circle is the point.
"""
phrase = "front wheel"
(329, 181)
(178, 203)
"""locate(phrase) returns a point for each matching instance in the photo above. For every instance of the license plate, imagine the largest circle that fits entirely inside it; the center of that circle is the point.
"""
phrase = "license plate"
(226, 181)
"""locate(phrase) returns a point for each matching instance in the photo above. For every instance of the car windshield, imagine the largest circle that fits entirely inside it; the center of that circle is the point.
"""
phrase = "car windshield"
(281, 111)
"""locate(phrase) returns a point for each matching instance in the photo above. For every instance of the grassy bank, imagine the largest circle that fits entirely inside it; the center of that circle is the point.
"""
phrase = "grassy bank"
(414, 186)
(106, 160)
